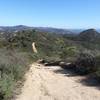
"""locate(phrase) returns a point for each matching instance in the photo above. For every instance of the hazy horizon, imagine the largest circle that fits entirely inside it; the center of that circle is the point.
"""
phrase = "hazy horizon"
(48, 27)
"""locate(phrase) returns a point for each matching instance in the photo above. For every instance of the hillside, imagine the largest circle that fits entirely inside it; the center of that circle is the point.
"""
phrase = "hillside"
(82, 49)
(88, 39)
(51, 42)
(90, 35)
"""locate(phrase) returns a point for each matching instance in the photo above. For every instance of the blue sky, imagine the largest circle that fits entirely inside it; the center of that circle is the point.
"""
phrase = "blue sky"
(51, 13)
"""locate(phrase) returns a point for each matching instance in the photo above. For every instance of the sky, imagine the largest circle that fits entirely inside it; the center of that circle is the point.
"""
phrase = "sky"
(51, 13)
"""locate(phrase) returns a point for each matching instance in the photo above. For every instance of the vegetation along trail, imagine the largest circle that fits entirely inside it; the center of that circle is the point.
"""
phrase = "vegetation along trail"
(50, 83)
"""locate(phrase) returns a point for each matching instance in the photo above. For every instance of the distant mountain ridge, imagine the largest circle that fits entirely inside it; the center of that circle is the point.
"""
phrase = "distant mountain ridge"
(41, 29)
(14, 28)
(89, 33)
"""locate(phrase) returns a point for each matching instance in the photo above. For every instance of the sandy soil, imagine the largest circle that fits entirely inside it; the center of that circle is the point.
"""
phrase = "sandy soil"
(48, 83)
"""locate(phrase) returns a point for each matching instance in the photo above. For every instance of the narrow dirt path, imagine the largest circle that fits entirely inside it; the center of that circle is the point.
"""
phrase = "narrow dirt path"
(42, 83)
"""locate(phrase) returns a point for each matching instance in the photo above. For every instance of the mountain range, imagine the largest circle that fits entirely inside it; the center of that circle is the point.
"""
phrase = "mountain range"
(41, 29)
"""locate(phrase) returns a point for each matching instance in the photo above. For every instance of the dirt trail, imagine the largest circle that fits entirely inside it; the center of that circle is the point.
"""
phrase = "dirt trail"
(42, 83)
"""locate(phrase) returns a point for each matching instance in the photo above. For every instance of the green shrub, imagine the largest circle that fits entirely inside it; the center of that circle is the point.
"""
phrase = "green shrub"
(7, 86)
(9, 75)
(85, 63)
(98, 66)
(13, 65)
(68, 53)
